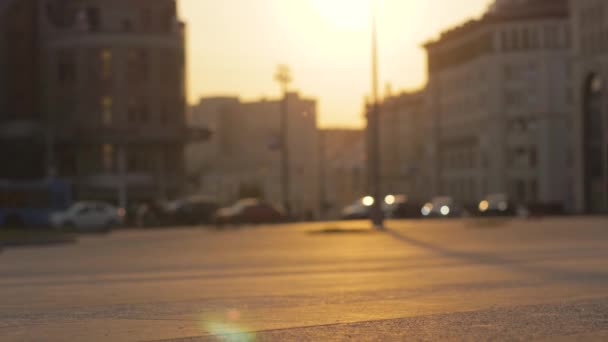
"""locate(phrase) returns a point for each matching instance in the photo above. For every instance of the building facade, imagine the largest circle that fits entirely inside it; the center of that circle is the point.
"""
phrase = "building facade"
(244, 152)
(499, 93)
(105, 86)
(405, 132)
(21, 121)
(590, 91)
(343, 177)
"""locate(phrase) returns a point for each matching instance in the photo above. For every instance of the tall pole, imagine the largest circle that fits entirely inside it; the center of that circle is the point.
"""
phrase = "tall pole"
(377, 216)
(123, 193)
(283, 77)
(49, 110)
(322, 175)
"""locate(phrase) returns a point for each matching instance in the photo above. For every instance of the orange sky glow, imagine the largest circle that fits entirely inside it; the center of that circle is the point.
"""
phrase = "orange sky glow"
(235, 45)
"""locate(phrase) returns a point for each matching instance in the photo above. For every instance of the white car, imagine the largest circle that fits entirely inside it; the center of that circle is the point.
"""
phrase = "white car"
(88, 216)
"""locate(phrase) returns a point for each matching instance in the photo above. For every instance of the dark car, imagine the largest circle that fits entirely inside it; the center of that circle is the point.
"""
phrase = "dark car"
(443, 207)
(402, 207)
(151, 214)
(497, 205)
(393, 206)
(249, 211)
(191, 211)
(188, 211)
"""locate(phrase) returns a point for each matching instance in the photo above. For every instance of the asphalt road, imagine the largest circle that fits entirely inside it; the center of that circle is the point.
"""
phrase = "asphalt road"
(540, 280)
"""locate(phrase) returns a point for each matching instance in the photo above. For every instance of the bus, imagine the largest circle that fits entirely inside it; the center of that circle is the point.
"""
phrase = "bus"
(31, 203)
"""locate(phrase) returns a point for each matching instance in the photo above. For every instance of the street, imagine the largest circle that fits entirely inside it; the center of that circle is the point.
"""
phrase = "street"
(420, 280)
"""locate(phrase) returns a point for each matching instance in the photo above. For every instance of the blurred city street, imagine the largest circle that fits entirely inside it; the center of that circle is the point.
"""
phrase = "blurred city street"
(420, 280)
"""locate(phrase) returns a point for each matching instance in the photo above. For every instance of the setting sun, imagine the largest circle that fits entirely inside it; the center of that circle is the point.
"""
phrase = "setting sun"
(345, 14)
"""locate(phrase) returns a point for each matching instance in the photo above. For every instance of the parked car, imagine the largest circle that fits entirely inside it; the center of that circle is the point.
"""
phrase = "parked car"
(249, 211)
(497, 205)
(191, 211)
(88, 217)
(393, 206)
(152, 214)
(402, 207)
(356, 211)
(442, 206)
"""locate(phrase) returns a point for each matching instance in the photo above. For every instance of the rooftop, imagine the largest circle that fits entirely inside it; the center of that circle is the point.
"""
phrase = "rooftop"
(508, 10)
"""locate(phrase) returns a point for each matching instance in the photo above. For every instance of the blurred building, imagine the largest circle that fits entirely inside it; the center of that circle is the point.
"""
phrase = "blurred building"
(343, 177)
(499, 91)
(21, 121)
(244, 152)
(107, 89)
(590, 37)
(405, 132)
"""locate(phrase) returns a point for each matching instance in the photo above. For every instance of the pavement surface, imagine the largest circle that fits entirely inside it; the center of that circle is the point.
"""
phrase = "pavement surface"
(544, 280)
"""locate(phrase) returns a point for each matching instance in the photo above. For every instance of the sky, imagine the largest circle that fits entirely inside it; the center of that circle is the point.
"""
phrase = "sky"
(234, 47)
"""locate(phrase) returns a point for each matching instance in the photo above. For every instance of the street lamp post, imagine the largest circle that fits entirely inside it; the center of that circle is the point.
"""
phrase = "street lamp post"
(283, 77)
(377, 216)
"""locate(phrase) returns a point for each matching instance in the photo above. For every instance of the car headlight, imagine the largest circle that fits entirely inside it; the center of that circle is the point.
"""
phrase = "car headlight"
(390, 199)
(484, 206)
(445, 210)
(503, 206)
(427, 209)
(368, 201)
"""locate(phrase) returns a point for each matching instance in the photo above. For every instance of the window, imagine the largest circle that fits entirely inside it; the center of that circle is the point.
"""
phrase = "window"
(140, 160)
(107, 155)
(106, 111)
(146, 20)
(533, 157)
(520, 190)
(550, 37)
(164, 115)
(93, 19)
(515, 40)
(127, 26)
(169, 22)
(514, 98)
(526, 41)
(66, 68)
(137, 113)
(508, 72)
(143, 114)
(169, 69)
(106, 64)
(132, 112)
(533, 194)
(534, 39)
(138, 66)
(504, 39)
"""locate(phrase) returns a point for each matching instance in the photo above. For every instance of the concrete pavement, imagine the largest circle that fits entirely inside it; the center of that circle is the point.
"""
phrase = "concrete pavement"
(421, 280)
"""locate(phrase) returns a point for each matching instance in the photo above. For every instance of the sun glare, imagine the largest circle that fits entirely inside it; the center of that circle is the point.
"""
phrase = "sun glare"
(349, 15)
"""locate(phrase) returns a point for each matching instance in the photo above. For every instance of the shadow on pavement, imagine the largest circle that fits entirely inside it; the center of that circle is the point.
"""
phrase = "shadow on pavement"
(338, 230)
(525, 266)
(487, 223)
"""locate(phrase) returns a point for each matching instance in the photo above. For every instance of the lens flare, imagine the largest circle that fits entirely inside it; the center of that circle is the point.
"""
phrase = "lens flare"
(226, 327)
